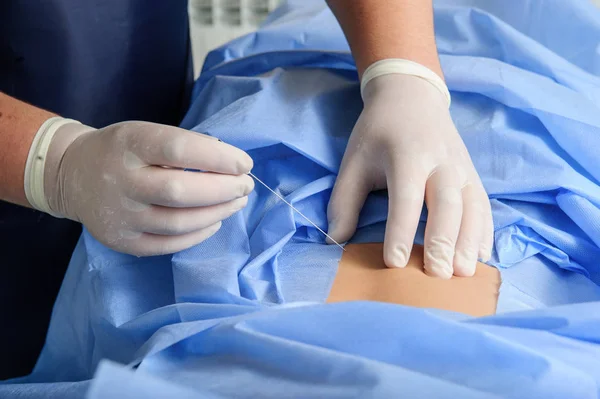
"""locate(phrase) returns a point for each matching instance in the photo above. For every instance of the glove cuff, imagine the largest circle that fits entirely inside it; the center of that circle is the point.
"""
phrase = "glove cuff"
(404, 67)
(36, 163)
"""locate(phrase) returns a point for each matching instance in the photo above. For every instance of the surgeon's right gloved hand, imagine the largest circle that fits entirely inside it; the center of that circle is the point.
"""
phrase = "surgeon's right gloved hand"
(126, 184)
(405, 141)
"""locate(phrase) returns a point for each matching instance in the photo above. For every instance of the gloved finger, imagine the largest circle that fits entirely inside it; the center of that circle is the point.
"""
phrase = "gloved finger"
(406, 194)
(177, 221)
(152, 244)
(469, 236)
(347, 199)
(445, 207)
(171, 146)
(487, 241)
(180, 189)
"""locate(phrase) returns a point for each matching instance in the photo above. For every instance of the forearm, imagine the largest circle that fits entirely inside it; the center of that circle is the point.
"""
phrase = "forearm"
(19, 122)
(381, 29)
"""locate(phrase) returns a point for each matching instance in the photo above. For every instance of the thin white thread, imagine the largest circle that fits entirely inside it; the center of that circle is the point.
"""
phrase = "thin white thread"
(296, 210)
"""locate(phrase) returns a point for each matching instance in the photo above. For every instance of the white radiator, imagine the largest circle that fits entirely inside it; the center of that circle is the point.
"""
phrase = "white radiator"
(215, 22)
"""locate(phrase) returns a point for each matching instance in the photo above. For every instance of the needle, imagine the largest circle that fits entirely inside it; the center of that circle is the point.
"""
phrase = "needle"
(294, 208)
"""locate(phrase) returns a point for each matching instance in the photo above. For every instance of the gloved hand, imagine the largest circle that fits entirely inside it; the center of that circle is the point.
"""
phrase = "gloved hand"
(125, 183)
(405, 140)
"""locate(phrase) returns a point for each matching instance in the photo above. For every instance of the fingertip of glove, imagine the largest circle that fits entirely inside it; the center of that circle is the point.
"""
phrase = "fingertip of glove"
(245, 164)
(465, 263)
(485, 254)
(397, 256)
(442, 272)
(331, 231)
(337, 232)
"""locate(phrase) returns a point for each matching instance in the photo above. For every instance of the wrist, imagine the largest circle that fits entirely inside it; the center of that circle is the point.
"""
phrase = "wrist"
(401, 67)
(42, 170)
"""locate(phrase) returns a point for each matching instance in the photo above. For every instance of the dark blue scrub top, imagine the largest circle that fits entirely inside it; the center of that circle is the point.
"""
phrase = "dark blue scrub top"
(97, 61)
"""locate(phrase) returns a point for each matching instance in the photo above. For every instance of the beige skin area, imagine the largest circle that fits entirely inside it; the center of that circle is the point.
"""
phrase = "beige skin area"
(362, 275)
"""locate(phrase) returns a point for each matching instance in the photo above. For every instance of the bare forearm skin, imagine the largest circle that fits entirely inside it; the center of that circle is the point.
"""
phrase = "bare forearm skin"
(19, 122)
(381, 29)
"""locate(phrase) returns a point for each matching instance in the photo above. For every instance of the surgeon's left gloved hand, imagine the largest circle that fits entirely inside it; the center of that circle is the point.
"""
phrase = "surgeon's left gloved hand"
(405, 141)
(127, 183)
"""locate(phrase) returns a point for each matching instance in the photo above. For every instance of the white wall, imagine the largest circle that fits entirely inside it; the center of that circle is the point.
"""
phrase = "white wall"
(215, 22)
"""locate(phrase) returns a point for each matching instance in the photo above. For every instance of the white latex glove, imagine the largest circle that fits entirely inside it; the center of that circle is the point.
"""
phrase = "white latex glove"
(405, 141)
(125, 183)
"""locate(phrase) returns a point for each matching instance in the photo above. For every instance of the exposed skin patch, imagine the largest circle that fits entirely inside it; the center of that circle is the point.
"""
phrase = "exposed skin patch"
(362, 275)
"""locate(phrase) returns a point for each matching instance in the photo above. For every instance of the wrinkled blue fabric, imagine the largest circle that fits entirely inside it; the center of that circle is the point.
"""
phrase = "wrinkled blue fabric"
(375, 350)
(229, 318)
